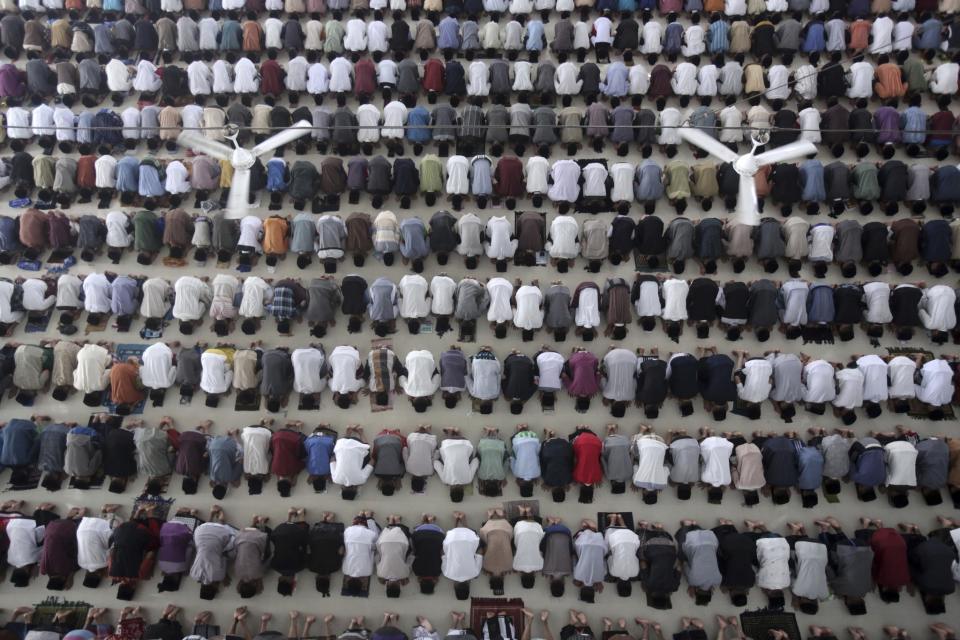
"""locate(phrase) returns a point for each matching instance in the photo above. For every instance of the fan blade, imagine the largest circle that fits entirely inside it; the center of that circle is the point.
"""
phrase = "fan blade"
(238, 202)
(748, 212)
(298, 130)
(708, 143)
(792, 151)
(202, 144)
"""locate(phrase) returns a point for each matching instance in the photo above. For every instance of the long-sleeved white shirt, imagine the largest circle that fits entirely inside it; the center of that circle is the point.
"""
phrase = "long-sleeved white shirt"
(91, 373)
(192, 296)
(461, 562)
(360, 545)
(155, 298)
(566, 181)
(674, 293)
(96, 293)
(256, 449)
(344, 363)
(456, 464)
(309, 370)
(256, 294)
(422, 379)
(441, 294)
(500, 291)
(25, 541)
(936, 308)
(157, 370)
(348, 468)
(216, 373)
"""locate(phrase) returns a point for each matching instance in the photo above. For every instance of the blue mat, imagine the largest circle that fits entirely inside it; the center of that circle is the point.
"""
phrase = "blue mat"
(124, 351)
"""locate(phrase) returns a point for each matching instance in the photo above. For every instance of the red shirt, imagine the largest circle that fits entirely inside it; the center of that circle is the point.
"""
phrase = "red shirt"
(587, 448)
(433, 75)
(365, 76)
(509, 177)
(271, 78)
(288, 452)
(890, 569)
(942, 122)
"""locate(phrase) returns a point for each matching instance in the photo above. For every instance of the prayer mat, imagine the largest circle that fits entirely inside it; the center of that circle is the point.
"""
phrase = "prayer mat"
(174, 262)
(308, 402)
(161, 506)
(626, 515)
(742, 408)
(57, 256)
(95, 482)
(376, 343)
(27, 481)
(511, 508)
(641, 266)
(757, 624)
(354, 593)
(37, 322)
(44, 612)
(245, 402)
(480, 607)
(921, 411)
(100, 326)
(817, 335)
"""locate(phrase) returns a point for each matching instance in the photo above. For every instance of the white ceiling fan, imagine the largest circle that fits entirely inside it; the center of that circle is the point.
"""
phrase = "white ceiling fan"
(242, 160)
(747, 165)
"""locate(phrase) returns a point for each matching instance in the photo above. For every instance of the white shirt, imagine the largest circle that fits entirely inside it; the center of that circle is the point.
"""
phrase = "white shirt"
(902, 371)
(648, 302)
(341, 72)
(877, 298)
(368, 119)
(96, 293)
(650, 471)
(860, 78)
(222, 77)
(684, 80)
(587, 314)
(500, 291)
(256, 294)
(669, 122)
(622, 174)
(355, 35)
(805, 81)
(874, 371)
(413, 296)
(758, 382)
(707, 79)
(537, 172)
(318, 78)
(526, 541)
(377, 35)
(602, 31)
(715, 455)
(256, 449)
(272, 27)
(469, 228)
(35, 296)
(344, 363)
(7, 314)
(155, 298)
(936, 383)
(478, 79)
(773, 557)
(529, 312)
(549, 366)
(461, 562)
(623, 562)
(41, 120)
(422, 379)
(348, 470)
(565, 79)
(566, 181)
(522, 76)
(849, 388)
(93, 549)
(251, 231)
(881, 32)
(216, 374)
(387, 72)
(441, 294)
(821, 242)
(359, 544)
(191, 298)
(818, 382)
(809, 125)
(651, 37)
(245, 77)
(674, 293)
(91, 373)
(118, 76)
(199, 78)
(157, 370)
(309, 374)
(68, 291)
(18, 123)
(456, 465)
(944, 80)
(901, 457)
(296, 79)
(936, 308)
(778, 77)
(25, 542)
(458, 175)
(595, 180)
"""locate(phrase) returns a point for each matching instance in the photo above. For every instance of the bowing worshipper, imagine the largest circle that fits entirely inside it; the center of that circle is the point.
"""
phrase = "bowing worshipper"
(528, 308)
(276, 377)
(850, 565)
(461, 561)
(20, 445)
(387, 457)
(427, 543)
(699, 550)
(496, 536)
(350, 466)
(717, 382)
(381, 368)
(500, 310)
(382, 306)
(256, 440)
(493, 456)
(158, 370)
(557, 463)
(323, 298)
(524, 457)
(519, 380)
(659, 574)
(58, 557)
(326, 547)
(25, 539)
(748, 471)
(225, 457)
(617, 460)
(393, 555)
(133, 546)
(289, 541)
(126, 390)
(549, 369)
(419, 379)
(736, 558)
(288, 455)
(346, 375)
(528, 534)
(456, 463)
(623, 563)
(483, 378)
(360, 545)
(252, 551)
(587, 467)
(51, 453)
(177, 548)
(154, 448)
(319, 452)
(354, 304)
(650, 473)
(590, 568)
(581, 377)
(715, 473)
(810, 575)
(618, 379)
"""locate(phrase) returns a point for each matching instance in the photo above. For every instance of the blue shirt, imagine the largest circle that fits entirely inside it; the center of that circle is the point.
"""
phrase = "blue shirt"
(617, 82)
(811, 468)
(648, 182)
(9, 234)
(226, 459)
(534, 35)
(19, 442)
(319, 450)
(276, 175)
(811, 178)
(718, 37)
(820, 308)
(448, 34)
(84, 132)
(525, 463)
(928, 35)
(150, 185)
(672, 38)
(870, 469)
(124, 294)
(815, 40)
(415, 243)
(913, 123)
(128, 174)
(418, 125)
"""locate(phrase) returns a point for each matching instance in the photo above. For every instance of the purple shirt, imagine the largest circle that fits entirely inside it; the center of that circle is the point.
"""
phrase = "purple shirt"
(581, 374)
(176, 539)
(887, 122)
(12, 82)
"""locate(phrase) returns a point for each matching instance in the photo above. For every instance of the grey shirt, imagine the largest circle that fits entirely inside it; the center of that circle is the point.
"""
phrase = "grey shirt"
(853, 575)
(188, 366)
(836, 456)
(470, 299)
(389, 456)
(302, 233)
(382, 305)
(323, 300)
(277, 378)
(556, 305)
(849, 247)
(679, 234)
(685, 454)
(453, 370)
(699, 548)
(252, 549)
(53, 447)
(933, 463)
(617, 464)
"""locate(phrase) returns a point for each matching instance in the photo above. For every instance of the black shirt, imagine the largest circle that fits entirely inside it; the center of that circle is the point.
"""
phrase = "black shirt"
(621, 235)
(291, 547)
(354, 290)
(893, 181)
(652, 381)
(785, 183)
(119, 453)
(683, 377)
(648, 236)
(518, 374)
(556, 462)
(702, 300)
(716, 378)
(780, 462)
(427, 548)
(903, 306)
(848, 304)
(736, 556)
